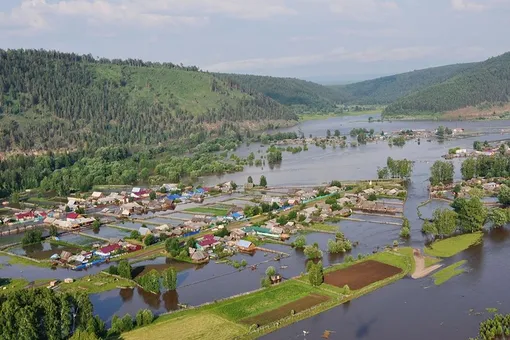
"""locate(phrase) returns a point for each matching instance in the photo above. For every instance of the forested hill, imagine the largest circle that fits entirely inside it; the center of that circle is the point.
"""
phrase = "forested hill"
(386, 90)
(289, 91)
(51, 100)
(485, 83)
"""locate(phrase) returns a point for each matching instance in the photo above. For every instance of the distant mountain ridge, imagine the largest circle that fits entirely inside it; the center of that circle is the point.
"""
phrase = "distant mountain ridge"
(485, 84)
(51, 100)
(385, 90)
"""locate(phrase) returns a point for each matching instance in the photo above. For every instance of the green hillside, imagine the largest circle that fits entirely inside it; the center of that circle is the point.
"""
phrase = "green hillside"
(306, 95)
(486, 83)
(52, 100)
(386, 90)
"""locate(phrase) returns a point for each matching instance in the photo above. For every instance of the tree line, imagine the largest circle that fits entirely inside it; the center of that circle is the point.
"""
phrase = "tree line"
(51, 100)
(486, 82)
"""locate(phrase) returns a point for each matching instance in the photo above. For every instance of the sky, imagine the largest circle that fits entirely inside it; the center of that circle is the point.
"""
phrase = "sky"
(322, 40)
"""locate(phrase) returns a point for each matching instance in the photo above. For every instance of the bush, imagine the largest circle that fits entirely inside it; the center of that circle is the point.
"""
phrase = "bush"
(149, 239)
(265, 282)
(313, 252)
(270, 271)
(135, 235)
(405, 233)
(372, 197)
(32, 236)
(144, 317)
(124, 269)
(169, 278)
(113, 270)
(150, 281)
(347, 290)
(299, 242)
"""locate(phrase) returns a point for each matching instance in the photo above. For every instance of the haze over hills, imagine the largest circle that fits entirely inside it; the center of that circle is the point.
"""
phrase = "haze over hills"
(289, 91)
(51, 100)
(483, 84)
(387, 89)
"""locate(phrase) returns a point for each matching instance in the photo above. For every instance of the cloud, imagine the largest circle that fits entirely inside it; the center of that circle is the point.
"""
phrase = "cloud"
(477, 5)
(336, 55)
(361, 10)
(245, 9)
(466, 5)
(36, 15)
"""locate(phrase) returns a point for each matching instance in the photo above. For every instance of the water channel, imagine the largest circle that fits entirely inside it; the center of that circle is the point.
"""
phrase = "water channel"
(408, 309)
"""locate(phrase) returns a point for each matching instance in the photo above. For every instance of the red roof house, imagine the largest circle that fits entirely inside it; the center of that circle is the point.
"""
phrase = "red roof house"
(208, 241)
(106, 251)
(72, 216)
(27, 215)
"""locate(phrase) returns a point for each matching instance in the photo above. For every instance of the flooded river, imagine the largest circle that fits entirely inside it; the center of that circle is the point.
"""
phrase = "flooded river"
(408, 309)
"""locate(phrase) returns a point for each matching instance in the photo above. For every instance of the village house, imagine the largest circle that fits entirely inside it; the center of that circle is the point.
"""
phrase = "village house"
(245, 246)
(163, 227)
(199, 257)
(333, 189)
(171, 187)
(144, 231)
(237, 234)
(310, 211)
(113, 198)
(343, 201)
(294, 201)
(139, 193)
(96, 195)
(108, 250)
(490, 186)
(208, 241)
(25, 216)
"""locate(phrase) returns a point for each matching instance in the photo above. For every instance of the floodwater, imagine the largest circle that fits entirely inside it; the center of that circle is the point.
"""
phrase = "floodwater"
(408, 309)
(41, 251)
(107, 232)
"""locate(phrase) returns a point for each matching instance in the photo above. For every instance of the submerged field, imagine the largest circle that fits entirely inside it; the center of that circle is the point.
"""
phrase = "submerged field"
(453, 245)
(279, 305)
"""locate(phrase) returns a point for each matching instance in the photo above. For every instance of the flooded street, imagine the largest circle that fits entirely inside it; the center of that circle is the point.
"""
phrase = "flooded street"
(407, 309)
(410, 309)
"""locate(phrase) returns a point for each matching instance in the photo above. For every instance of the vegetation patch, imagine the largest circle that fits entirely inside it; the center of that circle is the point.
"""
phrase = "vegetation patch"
(323, 227)
(189, 327)
(22, 261)
(96, 284)
(208, 211)
(12, 284)
(361, 274)
(288, 309)
(453, 245)
(265, 300)
(429, 261)
(447, 273)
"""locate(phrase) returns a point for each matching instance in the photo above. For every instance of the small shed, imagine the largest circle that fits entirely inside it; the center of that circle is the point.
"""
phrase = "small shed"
(199, 257)
(245, 246)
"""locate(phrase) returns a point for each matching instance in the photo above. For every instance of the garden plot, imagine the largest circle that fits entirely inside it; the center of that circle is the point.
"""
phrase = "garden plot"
(129, 225)
(300, 305)
(241, 203)
(181, 215)
(361, 275)
(80, 240)
(108, 232)
(41, 251)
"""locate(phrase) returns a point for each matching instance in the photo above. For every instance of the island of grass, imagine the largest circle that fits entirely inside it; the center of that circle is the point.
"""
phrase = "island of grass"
(449, 272)
(429, 261)
(208, 211)
(274, 307)
(453, 245)
(97, 283)
(322, 227)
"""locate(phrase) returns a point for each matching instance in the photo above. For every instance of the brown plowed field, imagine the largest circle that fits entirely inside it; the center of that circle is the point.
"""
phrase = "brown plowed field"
(361, 275)
(285, 310)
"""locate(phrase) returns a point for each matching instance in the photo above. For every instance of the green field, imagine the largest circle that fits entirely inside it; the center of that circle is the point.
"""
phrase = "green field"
(258, 303)
(207, 326)
(98, 283)
(223, 320)
(453, 245)
(447, 273)
(429, 261)
(324, 227)
(208, 211)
